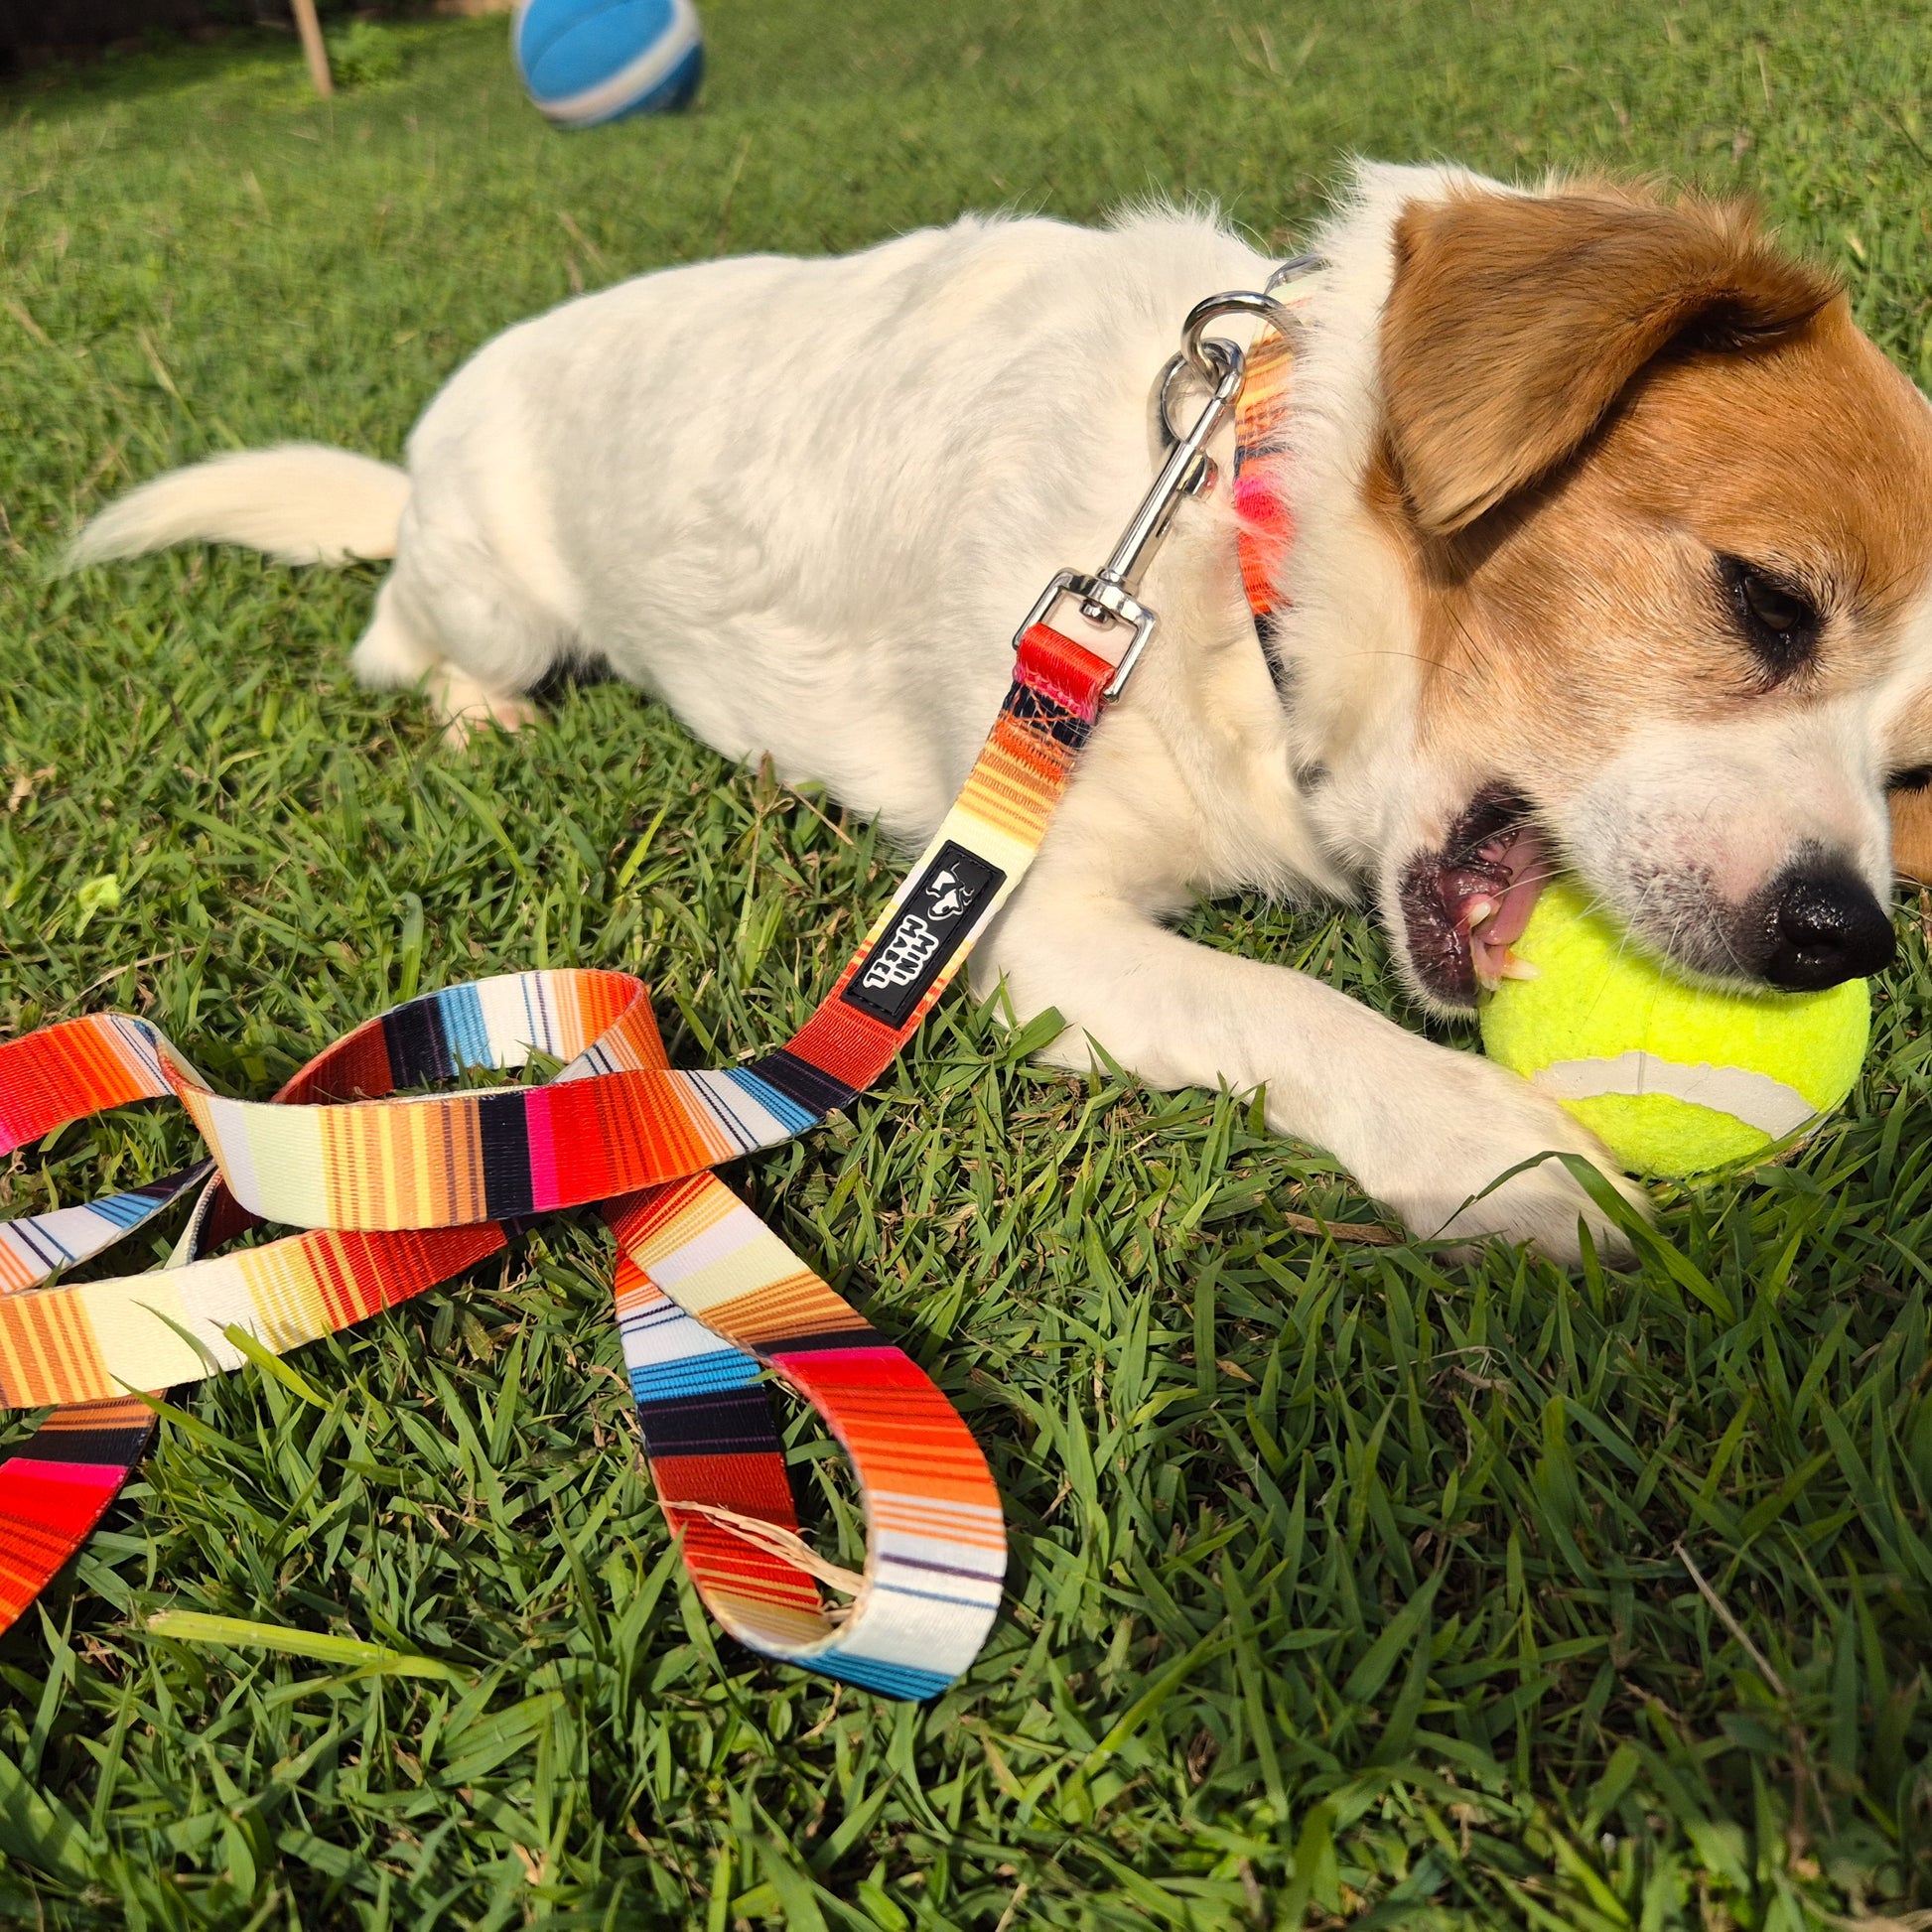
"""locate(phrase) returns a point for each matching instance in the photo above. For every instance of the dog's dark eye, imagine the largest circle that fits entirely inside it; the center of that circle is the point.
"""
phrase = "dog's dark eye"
(1914, 778)
(1779, 621)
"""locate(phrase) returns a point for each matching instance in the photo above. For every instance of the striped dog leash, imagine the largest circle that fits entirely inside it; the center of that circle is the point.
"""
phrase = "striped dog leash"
(396, 1195)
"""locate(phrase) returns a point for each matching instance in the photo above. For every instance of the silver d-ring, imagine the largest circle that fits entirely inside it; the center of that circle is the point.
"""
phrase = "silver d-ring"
(1239, 302)
(1220, 354)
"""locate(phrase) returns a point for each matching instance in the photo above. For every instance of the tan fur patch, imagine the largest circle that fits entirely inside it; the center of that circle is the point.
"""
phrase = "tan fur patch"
(1911, 811)
(1517, 320)
(1689, 394)
(1911, 835)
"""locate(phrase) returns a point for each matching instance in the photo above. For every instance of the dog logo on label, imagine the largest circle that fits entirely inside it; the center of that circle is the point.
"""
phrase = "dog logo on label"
(935, 918)
(948, 895)
(910, 950)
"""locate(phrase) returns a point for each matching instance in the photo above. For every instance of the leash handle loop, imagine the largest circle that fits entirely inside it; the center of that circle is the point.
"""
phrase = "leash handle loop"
(396, 1195)
(399, 1192)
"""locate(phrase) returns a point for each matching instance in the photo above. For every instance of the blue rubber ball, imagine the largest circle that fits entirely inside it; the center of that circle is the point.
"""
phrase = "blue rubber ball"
(586, 62)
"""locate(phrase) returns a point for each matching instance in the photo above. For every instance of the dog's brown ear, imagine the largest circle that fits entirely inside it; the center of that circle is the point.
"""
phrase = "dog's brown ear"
(1516, 321)
(1911, 835)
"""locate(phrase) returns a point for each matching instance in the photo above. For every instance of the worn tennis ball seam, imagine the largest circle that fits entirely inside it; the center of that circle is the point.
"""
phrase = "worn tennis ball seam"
(1676, 1079)
(1759, 1100)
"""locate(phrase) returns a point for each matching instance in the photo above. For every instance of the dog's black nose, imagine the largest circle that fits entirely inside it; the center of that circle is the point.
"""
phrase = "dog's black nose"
(1825, 928)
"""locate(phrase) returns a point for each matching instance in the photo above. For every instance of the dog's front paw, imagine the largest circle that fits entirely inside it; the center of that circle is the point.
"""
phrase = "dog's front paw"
(1473, 1121)
(464, 706)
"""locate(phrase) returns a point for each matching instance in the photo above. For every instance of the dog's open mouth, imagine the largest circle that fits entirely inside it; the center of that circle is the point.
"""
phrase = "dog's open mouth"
(1465, 906)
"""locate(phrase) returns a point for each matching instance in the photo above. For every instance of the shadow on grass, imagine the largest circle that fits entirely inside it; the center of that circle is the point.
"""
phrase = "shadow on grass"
(165, 62)
(162, 62)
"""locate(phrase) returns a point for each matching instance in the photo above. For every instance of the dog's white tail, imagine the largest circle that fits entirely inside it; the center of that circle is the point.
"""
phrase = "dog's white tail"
(300, 501)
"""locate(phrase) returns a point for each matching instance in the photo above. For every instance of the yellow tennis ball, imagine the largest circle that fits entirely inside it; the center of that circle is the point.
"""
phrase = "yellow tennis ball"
(1675, 1079)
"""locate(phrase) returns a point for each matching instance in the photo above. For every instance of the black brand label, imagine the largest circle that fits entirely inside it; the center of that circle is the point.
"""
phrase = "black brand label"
(942, 908)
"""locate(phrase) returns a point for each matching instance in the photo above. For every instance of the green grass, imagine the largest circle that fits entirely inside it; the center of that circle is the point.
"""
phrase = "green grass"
(1346, 1578)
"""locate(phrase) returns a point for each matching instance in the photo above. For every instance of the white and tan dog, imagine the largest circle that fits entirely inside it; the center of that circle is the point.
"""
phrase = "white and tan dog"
(1614, 550)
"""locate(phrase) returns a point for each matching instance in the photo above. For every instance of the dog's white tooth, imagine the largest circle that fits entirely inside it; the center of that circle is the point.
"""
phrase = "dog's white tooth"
(1480, 909)
(1513, 968)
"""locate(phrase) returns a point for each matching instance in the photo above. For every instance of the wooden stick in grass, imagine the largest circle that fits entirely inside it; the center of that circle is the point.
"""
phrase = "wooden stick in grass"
(316, 53)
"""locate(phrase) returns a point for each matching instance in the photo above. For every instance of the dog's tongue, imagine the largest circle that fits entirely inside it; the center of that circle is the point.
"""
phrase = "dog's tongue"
(1518, 864)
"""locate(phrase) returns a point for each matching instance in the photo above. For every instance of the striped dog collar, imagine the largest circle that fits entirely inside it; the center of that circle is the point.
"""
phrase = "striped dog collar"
(1265, 521)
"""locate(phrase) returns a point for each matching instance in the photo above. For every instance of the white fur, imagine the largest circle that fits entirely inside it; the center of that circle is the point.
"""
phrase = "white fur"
(300, 501)
(806, 501)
